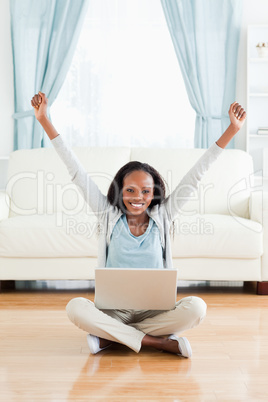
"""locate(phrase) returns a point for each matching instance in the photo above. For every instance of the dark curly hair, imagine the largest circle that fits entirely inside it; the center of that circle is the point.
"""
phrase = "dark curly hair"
(116, 187)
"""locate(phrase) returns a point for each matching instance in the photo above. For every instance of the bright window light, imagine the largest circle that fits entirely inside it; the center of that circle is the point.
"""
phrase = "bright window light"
(124, 86)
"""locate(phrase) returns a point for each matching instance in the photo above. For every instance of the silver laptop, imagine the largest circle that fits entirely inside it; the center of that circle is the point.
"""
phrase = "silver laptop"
(135, 288)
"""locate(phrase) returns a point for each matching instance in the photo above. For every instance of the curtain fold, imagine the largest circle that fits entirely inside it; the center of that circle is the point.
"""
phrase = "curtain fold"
(44, 36)
(205, 35)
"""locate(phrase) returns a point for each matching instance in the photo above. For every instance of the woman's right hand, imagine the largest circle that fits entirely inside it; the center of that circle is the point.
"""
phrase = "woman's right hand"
(39, 102)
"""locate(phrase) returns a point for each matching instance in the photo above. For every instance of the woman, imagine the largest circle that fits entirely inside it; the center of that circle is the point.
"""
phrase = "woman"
(135, 220)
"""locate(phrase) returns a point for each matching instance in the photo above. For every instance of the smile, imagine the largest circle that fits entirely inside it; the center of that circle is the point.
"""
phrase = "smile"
(136, 205)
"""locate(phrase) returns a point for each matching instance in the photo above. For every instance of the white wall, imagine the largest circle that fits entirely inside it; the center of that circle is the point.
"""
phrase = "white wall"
(6, 81)
(255, 12)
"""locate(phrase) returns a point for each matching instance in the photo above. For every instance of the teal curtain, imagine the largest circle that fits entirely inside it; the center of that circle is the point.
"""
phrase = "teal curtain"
(44, 36)
(205, 35)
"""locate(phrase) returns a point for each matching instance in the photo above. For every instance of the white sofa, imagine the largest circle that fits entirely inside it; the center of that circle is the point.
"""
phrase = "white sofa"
(48, 232)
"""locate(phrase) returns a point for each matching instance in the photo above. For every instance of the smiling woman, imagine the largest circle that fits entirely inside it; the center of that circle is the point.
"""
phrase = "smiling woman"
(136, 234)
(124, 87)
(138, 191)
(135, 180)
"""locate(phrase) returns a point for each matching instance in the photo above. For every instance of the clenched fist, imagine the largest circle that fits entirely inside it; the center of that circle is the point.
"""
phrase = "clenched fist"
(39, 102)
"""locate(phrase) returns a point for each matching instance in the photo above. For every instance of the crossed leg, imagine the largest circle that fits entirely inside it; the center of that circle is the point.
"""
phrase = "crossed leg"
(137, 328)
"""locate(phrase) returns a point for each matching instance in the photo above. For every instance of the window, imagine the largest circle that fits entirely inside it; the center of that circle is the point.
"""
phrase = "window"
(124, 86)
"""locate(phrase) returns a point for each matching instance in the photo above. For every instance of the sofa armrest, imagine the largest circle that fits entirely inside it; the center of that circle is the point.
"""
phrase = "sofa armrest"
(258, 211)
(258, 206)
(4, 205)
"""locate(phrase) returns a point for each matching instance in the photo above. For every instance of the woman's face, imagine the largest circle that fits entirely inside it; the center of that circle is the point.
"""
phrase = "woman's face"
(138, 192)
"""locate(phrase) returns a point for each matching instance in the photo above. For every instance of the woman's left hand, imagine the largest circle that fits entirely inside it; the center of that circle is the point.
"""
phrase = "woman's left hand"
(237, 115)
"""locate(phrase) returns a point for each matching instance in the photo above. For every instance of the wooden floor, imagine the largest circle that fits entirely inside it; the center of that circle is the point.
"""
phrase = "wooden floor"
(45, 357)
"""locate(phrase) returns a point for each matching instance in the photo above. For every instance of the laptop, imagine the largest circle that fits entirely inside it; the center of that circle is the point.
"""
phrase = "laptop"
(135, 288)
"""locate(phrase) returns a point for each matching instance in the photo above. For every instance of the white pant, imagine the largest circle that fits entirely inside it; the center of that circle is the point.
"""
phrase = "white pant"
(129, 326)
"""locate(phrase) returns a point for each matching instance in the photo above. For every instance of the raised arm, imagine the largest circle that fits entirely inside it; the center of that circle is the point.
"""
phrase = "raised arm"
(190, 181)
(90, 191)
(237, 116)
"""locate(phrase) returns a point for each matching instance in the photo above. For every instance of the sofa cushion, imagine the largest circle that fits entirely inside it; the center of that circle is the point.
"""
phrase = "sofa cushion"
(217, 236)
(49, 236)
(225, 188)
(39, 183)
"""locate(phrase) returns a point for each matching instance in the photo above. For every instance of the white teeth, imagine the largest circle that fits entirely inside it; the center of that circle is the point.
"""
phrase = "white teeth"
(136, 205)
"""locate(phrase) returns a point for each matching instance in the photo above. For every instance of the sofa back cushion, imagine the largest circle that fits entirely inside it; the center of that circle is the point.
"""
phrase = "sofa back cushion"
(39, 183)
(224, 189)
